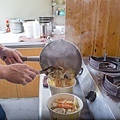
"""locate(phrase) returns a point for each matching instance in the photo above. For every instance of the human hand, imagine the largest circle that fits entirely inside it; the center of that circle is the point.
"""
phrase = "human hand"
(20, 73)
(10, 56)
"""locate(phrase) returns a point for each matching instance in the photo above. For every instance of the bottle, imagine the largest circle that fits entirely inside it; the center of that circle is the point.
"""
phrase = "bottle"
(7, 26)
(36, 29)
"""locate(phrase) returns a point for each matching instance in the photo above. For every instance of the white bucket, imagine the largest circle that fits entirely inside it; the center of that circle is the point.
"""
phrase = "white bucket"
(28, 28)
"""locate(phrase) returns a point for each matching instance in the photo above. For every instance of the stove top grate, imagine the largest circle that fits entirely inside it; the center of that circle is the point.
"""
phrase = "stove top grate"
(111, 84)
(105, 64)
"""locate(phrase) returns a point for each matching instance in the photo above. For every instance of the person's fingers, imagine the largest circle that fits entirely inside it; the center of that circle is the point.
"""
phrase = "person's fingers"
(32, 74)
(17, 55)
(13, 60)
(29, 79)
(8, 61)
(18, 52)
(32, 69)
(20, 73)
(24, 82)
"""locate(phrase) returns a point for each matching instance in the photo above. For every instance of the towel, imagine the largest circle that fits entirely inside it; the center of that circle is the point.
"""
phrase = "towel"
(43, 40)
(25, 39)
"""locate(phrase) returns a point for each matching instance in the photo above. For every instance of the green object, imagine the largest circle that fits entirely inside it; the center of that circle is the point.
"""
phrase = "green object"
(62, 13)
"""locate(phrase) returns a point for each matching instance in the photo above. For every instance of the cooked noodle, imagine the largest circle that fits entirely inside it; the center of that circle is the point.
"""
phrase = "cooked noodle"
(61, 77)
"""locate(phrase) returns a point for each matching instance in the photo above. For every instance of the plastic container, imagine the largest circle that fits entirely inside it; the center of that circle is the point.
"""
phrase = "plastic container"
(36, 29)
(28, 28)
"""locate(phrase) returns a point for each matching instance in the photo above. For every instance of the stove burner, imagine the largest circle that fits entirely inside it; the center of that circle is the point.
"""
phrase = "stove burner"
(111, 84)
(105, 64)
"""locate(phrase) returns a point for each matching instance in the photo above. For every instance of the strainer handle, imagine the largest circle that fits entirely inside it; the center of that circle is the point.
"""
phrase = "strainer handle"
(30, 58)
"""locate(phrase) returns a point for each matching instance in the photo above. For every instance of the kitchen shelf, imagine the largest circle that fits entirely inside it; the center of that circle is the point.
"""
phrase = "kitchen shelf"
(58, 11)
(58, 15)
(59, 2)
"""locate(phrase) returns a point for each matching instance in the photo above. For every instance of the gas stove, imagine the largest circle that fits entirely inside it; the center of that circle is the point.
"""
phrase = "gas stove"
(101, 87)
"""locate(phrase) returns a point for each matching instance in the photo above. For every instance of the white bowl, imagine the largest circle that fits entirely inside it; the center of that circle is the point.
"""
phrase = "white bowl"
(55, 90)
(69, 116)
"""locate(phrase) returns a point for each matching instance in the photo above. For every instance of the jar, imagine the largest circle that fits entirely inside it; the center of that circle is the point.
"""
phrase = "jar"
(45, 29)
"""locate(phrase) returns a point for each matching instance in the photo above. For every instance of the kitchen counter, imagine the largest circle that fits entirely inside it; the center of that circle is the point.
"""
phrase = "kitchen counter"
(10, 37)
(12, 40)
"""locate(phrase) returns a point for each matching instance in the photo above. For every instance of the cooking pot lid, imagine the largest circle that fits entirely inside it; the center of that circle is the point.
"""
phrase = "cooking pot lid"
(61, 53)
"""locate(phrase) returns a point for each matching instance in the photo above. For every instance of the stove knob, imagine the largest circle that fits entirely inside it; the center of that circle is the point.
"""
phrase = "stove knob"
(91, 96)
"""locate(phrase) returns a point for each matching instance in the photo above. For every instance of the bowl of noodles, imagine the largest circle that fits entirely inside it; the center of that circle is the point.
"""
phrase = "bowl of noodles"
(61, 80)
(64, 106)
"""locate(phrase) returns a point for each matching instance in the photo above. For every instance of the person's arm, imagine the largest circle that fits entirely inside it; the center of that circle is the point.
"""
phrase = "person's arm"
(18, 73)
(15, 73)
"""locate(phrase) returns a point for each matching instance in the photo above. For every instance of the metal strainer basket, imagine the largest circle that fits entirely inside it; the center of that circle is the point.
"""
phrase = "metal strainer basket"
(61, 53)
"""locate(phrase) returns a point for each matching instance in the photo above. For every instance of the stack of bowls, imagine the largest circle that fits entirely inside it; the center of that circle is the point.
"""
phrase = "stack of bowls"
(16, 26)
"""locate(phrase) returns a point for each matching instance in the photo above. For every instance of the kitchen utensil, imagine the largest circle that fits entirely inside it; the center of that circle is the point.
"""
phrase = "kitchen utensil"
(46, 70)
(58, 53)
(61, 53)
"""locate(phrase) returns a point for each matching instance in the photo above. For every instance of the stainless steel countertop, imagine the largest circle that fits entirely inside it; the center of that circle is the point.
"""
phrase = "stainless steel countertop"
(101, 107)
(24, 44)
(44, 94)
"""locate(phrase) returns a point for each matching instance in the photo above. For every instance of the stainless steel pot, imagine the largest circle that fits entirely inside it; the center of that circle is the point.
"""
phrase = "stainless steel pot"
(45, 29)
(46, 26)
(46, 19)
